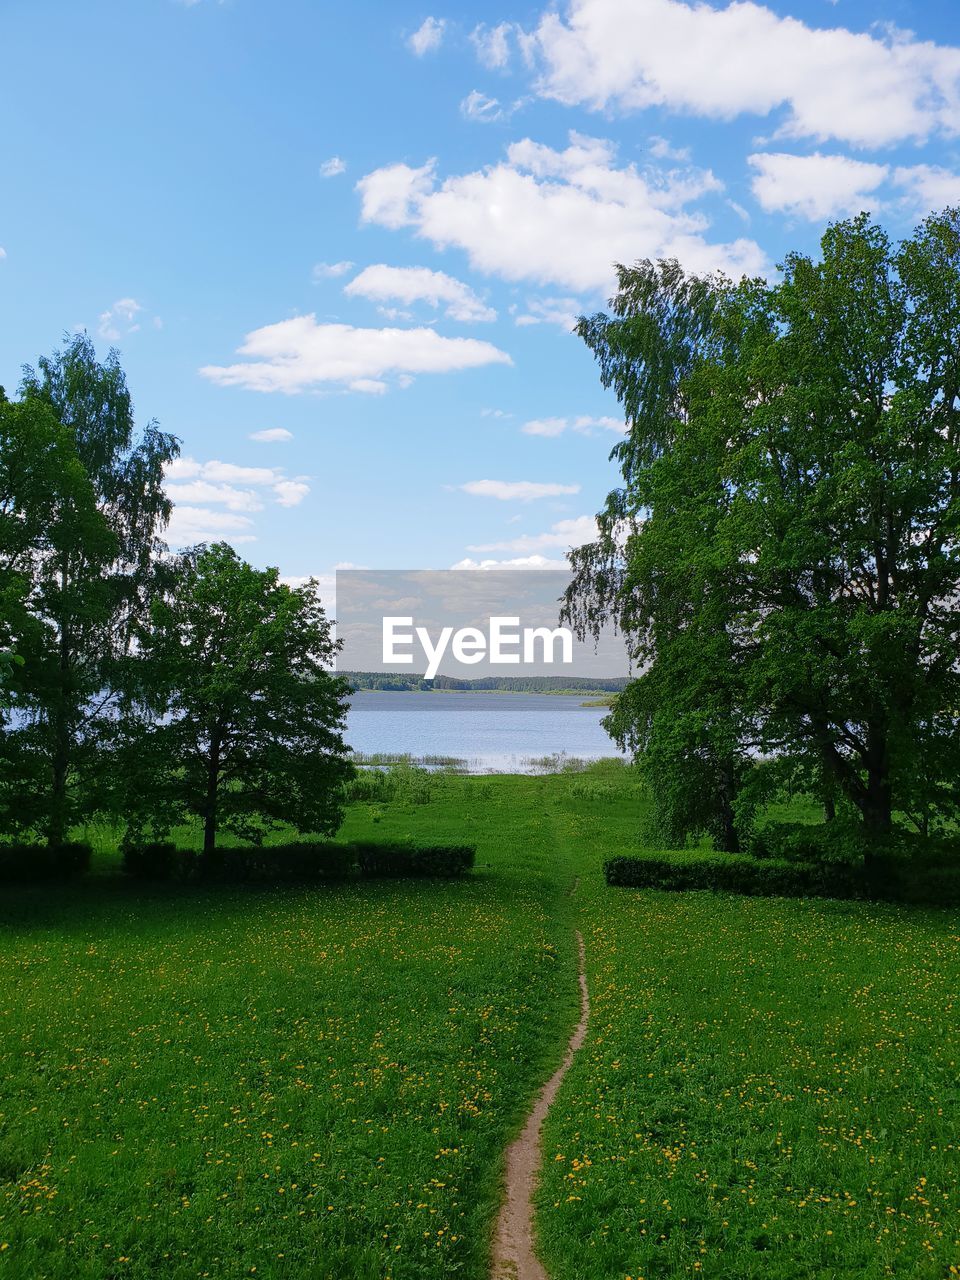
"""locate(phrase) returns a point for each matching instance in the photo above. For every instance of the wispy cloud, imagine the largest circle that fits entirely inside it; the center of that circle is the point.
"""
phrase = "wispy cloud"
(515, 491)
(427, 37)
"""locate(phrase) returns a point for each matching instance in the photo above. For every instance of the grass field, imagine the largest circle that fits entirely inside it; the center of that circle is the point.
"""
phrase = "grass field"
(322, 1082)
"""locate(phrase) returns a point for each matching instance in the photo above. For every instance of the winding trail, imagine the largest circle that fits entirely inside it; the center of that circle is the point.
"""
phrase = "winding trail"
(514, 1256)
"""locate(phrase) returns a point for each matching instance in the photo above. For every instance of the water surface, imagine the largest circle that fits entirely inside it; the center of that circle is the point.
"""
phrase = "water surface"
(502, 732)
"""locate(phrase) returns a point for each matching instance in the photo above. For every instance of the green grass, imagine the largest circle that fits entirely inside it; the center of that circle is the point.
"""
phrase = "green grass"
(322, 1082)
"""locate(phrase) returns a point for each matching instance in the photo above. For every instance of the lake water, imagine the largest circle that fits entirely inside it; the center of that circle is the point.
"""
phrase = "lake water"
(502, 732)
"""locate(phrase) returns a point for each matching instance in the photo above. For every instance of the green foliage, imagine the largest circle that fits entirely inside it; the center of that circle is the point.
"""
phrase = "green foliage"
(158, 860)
(24, 863)
(414, 860)
(81, 510)
(784, 555)
(233, 714)
(733, 873)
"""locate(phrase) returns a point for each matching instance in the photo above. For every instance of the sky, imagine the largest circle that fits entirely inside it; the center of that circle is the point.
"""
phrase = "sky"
(340, 247)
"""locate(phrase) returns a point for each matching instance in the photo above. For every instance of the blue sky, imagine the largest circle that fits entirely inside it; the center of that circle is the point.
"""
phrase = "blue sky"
(363, 228)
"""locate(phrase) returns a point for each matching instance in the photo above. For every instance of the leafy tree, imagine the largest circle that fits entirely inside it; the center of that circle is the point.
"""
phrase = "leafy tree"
(791, 505)
(237, 718)
(82, 550)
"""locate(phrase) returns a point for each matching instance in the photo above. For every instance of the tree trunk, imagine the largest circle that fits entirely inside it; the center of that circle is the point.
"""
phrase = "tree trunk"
(210, 860)
(60, 756)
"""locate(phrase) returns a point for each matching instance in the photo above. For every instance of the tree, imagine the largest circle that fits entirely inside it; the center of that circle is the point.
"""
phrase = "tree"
(87, 546)
(237, 718)
(821, 534)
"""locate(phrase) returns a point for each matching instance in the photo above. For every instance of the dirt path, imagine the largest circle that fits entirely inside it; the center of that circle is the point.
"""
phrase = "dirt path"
(514, 1257)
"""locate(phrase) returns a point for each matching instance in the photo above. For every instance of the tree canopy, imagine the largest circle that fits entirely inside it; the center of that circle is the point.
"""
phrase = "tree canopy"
(784, 550)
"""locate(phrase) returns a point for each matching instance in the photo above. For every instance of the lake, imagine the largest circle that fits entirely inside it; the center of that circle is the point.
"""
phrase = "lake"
(492, 732)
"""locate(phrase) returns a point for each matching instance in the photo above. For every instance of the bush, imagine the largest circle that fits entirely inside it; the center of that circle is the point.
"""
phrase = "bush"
(299, 861)
(159, 860)
(412, 860)
(832, 842)
(23, 863)
(734, 873)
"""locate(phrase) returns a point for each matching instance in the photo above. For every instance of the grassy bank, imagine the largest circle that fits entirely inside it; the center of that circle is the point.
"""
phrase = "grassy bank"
(322, 1082)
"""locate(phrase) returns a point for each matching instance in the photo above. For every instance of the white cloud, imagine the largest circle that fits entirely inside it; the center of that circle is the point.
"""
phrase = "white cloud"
(515, 491)
(332, 167)
(815, 186)
(868, 90)
(189, 525)
(562, 312)
(557, 217)
(3, 253)
(663, 149)
(492, 45)
(565, 533)
(193, 491)
(825, 186)
(119, 319)
(330, 270)
(583, 425)
(521, 562)
(928, 187)
(477, 106)
(272, 435)
(300, 354)
(290, 493)
(427, 37)
(189, 483)
(381, 283)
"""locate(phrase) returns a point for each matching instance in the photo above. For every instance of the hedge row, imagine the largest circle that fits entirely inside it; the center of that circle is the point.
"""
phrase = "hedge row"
(733, 873)
(301, 861)
(893, 877)
(23, 863)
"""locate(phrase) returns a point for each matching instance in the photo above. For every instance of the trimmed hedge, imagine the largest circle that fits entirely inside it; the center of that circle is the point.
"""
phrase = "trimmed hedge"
(424, 860)
(297, 862)
(23, 863)
(733, 873)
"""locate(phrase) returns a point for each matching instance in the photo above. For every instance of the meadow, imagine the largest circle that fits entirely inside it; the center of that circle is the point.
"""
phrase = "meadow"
(321, 1082)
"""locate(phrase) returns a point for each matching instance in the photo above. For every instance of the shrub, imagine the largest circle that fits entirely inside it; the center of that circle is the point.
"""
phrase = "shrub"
(299, 860)
(159, 860)
(832, 842)
(22, 863)
(733, 873)
(412, 860)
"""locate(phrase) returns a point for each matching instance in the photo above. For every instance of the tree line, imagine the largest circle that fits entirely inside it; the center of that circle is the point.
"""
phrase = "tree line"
(783, 550)
(137, 684)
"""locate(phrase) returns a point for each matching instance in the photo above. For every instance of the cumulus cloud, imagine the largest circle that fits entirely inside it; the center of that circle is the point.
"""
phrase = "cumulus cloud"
(382, 283)
(927, 187)
(520, 562)
(815, 186)
(515, 491)
(332, 167)
(427, 37)
(330, 270)
(582, 425)
(825, 186)
(300, 354)
(197, 489)
(565, 534)
(864, 89)
(562, 312)
(190, 525)
(557, 217)
(272, 435)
